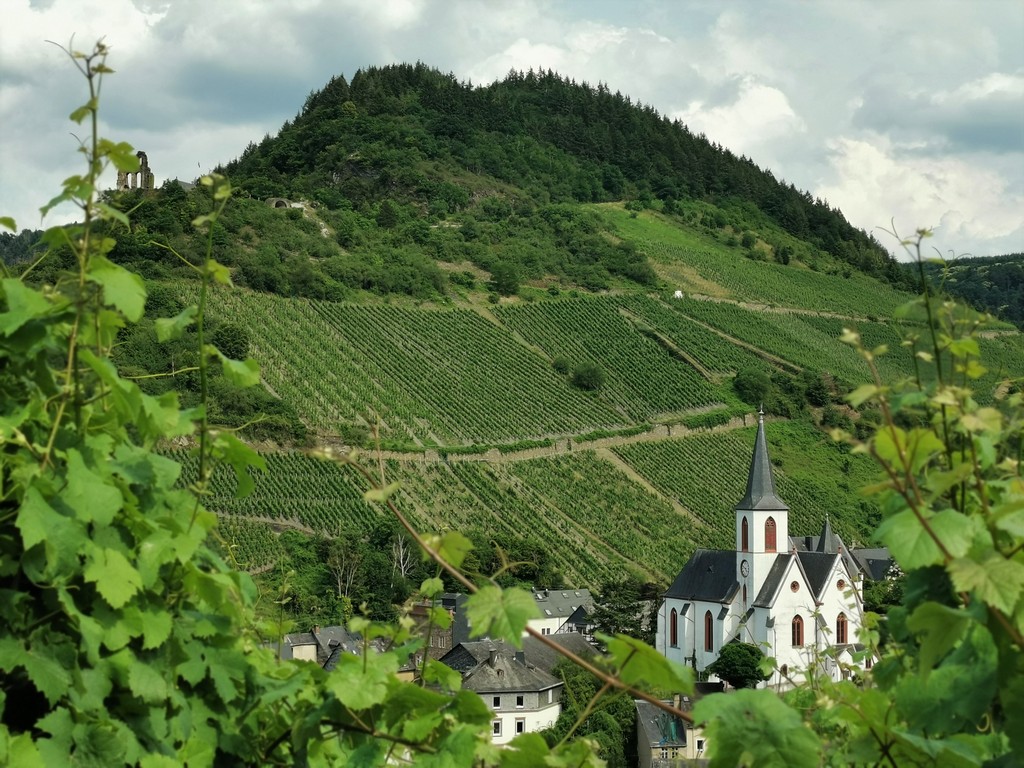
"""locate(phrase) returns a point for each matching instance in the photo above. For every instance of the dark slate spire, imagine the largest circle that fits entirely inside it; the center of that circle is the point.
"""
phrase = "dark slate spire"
(828, 542)
(760, 485)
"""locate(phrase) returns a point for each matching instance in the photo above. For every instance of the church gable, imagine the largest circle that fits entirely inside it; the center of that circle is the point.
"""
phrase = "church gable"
(817, 567)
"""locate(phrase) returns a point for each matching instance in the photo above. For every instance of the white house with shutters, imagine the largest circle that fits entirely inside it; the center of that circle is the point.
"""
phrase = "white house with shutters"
(798, 598)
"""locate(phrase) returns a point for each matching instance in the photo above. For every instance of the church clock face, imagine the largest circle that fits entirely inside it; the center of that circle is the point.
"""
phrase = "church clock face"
(744, 568)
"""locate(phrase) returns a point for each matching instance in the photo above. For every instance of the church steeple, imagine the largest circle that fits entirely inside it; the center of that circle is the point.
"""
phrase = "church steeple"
(761, 493)
(762, 520)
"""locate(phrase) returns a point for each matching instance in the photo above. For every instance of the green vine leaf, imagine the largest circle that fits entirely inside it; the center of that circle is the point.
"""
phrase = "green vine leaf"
(121, 289)
(995, 580)
(500, 613)
(115, 578)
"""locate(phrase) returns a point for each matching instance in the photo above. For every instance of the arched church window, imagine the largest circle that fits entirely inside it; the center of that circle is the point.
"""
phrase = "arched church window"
(673, 629)
(841, 630)
(744, 536)
(709, 628)
(769, 535)
(798, 630)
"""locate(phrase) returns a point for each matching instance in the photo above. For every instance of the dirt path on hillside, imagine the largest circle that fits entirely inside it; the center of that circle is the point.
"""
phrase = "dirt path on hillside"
(613, 458)
(561, 447)
(776, 309)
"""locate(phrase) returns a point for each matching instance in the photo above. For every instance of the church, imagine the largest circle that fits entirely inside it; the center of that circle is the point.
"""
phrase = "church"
(797, 598)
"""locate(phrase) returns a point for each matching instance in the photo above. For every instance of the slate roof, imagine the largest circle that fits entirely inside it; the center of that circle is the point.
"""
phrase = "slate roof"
(817, 566)
(543, 657)
(772, 581)
(499, 670)
(874, 562)
(465, 656)
(562, 603)
(327, 641)
(760, 483)
(709, 575)
(658, 728)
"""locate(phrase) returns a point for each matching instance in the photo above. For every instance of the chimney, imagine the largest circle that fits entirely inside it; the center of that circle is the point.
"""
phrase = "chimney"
(675, 700)
(492, 656)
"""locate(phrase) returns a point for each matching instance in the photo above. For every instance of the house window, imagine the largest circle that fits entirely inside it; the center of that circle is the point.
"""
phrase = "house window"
(673, 629)
(744, 595)
(798, 630)
(769, 535)
(551, 694)
(496, 728)
(709, 626)
(700, 745)
(496, 702)
(795, 586)
(520, 725)
(744, 536)
(519, 702)
(841, 629)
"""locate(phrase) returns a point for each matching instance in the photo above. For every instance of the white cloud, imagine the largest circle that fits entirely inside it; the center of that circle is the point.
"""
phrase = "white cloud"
(972, 208)
(755, 119)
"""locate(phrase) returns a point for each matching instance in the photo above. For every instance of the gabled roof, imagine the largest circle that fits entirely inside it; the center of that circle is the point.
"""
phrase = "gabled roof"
(874, 562)
(816, 567)
(499, 670)
(772, 581)
(562, 603)
(760, 483)
(545, 658)
(709, 575)
(658, 728)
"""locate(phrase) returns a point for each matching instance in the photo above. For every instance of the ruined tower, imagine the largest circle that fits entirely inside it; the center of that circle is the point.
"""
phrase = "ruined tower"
(140, 179)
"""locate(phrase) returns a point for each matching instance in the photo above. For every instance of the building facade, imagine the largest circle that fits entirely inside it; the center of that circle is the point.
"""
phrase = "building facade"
(798, 599)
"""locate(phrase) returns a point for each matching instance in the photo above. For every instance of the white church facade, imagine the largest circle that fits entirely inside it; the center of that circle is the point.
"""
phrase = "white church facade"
(799, 599)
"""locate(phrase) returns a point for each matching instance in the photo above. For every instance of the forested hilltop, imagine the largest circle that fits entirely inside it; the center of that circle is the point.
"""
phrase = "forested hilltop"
(992, 283)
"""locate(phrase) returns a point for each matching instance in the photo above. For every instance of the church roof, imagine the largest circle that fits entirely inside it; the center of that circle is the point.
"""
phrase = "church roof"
(817, 566)
(772, 581)
(874, 562)
(760, 484)
(709, 575)
(828, 541)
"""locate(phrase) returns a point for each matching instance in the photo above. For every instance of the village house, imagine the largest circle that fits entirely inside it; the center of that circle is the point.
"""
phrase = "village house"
(524, 697)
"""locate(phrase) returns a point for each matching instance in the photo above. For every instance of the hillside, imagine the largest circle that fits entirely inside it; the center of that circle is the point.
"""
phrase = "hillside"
(529, 304)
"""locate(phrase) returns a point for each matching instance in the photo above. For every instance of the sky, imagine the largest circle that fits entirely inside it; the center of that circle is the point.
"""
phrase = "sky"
(901, 113)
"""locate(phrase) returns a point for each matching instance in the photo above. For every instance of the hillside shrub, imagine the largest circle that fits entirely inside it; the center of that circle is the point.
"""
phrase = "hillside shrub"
(588, 376)
(752, 385)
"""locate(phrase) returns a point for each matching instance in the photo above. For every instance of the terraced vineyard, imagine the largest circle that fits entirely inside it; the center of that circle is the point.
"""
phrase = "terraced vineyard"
(601, 521)
(707, 474)
(643, 381)
(445, 377)
(456, 378)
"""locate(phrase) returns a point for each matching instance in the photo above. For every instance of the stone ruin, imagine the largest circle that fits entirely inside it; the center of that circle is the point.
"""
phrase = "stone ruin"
(140, 179)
